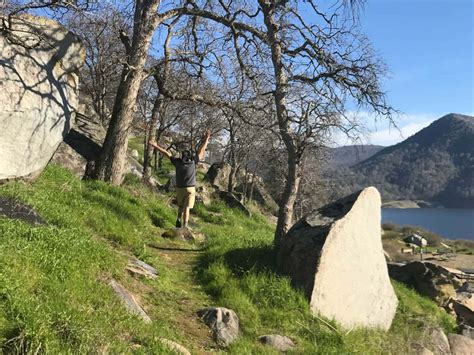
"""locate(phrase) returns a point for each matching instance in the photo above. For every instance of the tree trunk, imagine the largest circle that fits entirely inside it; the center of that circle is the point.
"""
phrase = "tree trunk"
(288, 198)
(110, 166)
(148, 153)
(232, 160)
(252, 186)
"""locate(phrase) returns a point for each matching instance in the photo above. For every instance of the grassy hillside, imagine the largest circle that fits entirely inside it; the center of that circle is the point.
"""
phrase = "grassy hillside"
(55, 297)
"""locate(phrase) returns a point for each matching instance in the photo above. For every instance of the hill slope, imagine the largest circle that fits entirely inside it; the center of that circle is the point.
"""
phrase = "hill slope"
(350, 155)
(435, 164)
(54, 279)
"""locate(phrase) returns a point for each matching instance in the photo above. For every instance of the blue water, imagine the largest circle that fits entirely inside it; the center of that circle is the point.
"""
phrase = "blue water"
(448, 222)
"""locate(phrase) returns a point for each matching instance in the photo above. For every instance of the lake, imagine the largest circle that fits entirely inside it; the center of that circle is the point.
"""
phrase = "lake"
(448, 222)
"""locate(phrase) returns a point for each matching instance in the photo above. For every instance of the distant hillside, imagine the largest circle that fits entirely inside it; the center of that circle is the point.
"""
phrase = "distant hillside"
(350, 155)
(435, 164)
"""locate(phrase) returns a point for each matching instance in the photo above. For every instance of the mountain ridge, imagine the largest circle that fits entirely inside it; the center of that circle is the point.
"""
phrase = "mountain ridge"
(434, 164)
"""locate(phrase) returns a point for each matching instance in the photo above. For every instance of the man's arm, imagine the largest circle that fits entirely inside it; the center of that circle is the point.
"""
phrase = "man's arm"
(160, 149)
(205, 142)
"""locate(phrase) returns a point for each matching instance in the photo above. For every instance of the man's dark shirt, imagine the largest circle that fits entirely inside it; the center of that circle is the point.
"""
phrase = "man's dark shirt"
(185, 171)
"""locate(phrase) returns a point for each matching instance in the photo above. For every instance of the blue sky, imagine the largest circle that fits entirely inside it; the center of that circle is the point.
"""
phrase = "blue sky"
(428, 47)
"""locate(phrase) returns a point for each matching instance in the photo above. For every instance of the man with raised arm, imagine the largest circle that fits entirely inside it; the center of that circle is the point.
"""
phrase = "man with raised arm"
(185, 177)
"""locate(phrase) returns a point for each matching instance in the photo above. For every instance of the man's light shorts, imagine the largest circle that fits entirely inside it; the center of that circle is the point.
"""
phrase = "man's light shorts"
(186, 196)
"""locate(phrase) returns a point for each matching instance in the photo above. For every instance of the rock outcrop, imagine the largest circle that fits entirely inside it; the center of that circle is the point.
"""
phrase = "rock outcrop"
(335, 254)
(439, 341)
(138, 267)
(232, 201)
(129, 301)
(428, 279)
(14, 209)
(83, 142)
(278, 342)
(256, 191)
(38, 92)
(174, 346)
(223, 323)
(461, 345)
(218, 175)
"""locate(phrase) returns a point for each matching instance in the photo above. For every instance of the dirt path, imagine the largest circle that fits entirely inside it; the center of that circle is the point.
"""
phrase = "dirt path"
(181, 261)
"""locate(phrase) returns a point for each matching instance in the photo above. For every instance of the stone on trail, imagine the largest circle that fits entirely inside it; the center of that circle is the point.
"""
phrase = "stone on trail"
(129, 301)
(183, 234)
(279, 342)
(175, 346)
(461, 345)
(335, 254)
(39, 93)
(136, 266)
(223, 323)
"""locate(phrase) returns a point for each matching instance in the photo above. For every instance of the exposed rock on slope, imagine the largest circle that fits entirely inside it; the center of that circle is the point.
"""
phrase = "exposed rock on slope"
(38, 91)
(84, 141)
(218, 175)
(428, 279)
(335, 253)
(223, 322)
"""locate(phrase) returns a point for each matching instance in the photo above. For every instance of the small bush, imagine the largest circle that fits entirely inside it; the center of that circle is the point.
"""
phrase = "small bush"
(389, 227)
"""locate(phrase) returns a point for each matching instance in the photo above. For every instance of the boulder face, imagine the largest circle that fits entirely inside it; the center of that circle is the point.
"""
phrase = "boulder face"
(84, 141)
(38, 91)
(218, 175)
(335, 254)
(428, 279)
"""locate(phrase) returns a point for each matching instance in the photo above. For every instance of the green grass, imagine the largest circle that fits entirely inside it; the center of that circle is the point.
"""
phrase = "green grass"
(238, 272)
(55, 298)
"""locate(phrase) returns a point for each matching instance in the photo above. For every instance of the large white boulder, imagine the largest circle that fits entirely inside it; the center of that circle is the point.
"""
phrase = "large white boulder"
(335, 254)
(38, 92)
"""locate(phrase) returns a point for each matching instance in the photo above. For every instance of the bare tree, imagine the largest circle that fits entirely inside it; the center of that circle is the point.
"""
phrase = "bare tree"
(319, 63)
(146, 19)
(104, 53)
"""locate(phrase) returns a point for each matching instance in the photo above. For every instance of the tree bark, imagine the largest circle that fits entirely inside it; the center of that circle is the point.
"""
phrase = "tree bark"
(152, 132)
(110, 166)
(232, 159)
(288, 198)
(286, 206)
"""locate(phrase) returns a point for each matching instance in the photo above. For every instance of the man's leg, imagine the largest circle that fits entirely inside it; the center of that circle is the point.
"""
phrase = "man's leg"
(188, 204)
(180, 200)
(186, 216)
(180, 214)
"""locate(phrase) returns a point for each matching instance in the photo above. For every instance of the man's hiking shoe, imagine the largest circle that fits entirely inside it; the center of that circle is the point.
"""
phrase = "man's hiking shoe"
(178, 223)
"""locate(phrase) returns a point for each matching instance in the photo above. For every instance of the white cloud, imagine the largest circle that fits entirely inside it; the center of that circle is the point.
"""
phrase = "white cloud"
(390, 136)
(378, 131)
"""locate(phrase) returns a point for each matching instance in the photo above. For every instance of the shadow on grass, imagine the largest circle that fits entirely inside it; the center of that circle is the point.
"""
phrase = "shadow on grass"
(113, 207)
(255, 259)
(154, 246)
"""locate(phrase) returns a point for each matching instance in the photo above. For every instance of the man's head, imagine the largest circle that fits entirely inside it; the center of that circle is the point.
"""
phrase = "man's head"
(186, 155)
